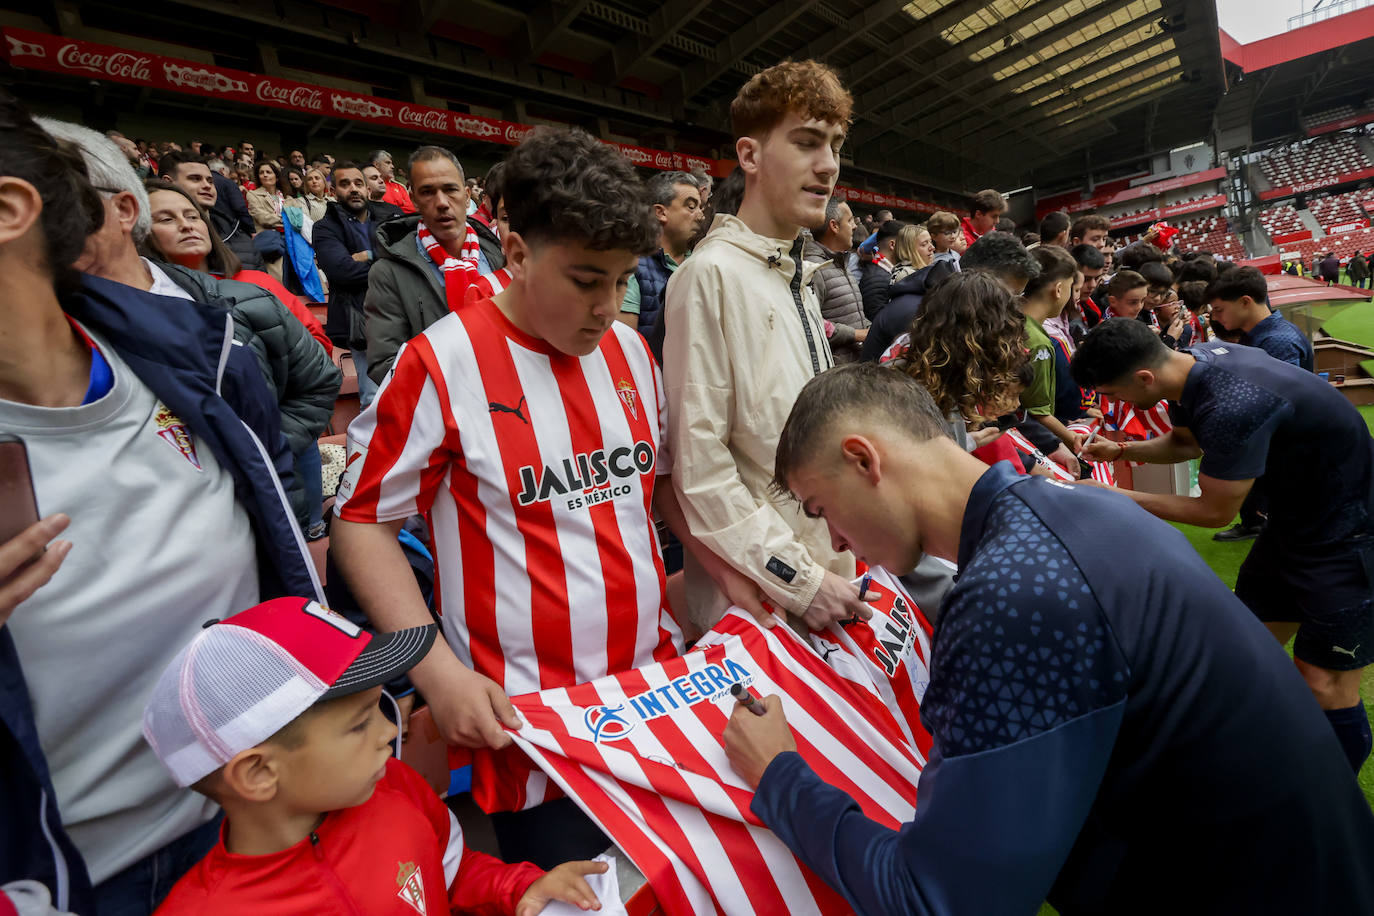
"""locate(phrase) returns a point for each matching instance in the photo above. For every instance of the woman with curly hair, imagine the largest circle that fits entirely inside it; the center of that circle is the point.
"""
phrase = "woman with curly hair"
(966, 347)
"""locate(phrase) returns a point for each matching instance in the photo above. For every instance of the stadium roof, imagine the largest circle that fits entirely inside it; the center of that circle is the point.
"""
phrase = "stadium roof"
(951, 95)
(962, 93)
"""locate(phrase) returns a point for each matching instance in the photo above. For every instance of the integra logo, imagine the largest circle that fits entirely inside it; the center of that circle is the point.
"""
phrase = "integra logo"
(712, 683)
(589, 477)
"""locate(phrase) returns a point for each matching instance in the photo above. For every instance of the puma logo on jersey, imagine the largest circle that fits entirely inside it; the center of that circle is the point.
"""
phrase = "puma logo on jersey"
(1350, 652)
(498, 407)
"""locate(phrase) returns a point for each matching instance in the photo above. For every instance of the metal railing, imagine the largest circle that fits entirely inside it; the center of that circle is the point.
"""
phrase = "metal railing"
(1328, 10)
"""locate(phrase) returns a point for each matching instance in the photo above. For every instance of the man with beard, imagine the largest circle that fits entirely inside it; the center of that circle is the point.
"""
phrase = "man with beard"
(344, 250)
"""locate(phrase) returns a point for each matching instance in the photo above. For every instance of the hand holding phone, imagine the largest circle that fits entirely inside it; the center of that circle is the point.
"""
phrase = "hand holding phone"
(27, 560)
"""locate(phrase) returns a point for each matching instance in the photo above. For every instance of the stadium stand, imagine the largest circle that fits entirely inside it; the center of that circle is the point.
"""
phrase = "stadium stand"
(1281, 220)
(1323, 159)
(1212, 233)
(1339, 209)
(1328, 115)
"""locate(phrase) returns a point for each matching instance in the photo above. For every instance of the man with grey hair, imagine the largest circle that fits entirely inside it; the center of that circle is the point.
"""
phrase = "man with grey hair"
(676, 198)
(156, 450)
(396, 193)
(405, 288)
(293, 363)
(842, 303)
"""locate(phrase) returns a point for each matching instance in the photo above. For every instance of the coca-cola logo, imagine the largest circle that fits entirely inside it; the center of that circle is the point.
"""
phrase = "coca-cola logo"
(475, 127)
(358, 107)
(21, 48)
(427, 118)
(515, 133)
(295, 96)
(200, 78)
(120, 64)
(663, 160)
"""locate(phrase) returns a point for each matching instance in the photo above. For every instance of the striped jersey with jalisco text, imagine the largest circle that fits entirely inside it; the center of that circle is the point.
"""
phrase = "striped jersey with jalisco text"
(536, 471)
(641, 752)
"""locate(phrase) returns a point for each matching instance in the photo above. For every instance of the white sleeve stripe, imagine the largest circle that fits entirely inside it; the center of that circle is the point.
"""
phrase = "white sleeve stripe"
(453, 852)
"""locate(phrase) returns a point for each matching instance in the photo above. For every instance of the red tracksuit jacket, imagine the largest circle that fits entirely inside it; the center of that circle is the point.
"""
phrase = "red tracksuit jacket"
(401, 852)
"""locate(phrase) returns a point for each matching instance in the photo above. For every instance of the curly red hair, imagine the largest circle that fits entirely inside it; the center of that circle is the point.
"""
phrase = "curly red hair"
(807, 87)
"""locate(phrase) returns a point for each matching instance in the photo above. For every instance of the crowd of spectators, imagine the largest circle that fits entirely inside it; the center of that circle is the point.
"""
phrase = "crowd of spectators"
(509, 331)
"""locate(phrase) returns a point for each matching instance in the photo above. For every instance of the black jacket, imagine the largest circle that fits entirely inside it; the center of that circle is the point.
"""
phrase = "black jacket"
(295, 366)
(232, 221)
(874, 283)
(904, 304)
(335, 244)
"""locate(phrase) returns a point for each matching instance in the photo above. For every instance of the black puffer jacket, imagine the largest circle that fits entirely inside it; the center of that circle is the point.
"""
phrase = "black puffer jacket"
(305, 379)
(874, 282)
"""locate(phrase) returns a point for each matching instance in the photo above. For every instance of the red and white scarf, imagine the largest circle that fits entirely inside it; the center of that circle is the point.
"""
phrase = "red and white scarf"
(463, 280)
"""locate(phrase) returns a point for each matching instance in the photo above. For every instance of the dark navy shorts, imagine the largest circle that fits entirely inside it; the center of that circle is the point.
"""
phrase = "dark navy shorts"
(1327, 590)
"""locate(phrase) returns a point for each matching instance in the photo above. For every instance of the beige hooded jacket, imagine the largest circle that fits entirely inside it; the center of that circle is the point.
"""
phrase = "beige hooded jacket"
(743, 335)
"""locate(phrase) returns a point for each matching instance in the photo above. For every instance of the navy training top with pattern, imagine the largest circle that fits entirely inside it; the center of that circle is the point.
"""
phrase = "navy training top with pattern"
(1112, 728)
(1281, 339)
(1306, 446)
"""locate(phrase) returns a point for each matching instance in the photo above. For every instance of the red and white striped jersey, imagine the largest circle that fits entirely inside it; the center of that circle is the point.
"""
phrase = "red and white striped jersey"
(641, 752)
(1101, 471)
(535, 470)
(1136, 423)
(888, 655)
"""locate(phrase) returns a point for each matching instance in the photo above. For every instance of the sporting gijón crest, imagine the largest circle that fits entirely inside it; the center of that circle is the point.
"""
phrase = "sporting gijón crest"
(629, 396)
(175, 433)
(412, 886)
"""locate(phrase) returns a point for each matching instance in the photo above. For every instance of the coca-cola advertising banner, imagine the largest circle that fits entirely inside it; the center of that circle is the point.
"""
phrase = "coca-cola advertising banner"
(1317, 185)
(38, 51)
(1159, 213)
(55, 54)
(890, 201)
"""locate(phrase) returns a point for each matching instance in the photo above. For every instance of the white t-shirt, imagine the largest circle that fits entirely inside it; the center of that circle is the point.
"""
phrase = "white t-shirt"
(160, 545)
(163, 285)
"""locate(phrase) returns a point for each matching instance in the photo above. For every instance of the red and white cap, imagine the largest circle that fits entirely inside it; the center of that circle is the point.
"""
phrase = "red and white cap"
(246, 677)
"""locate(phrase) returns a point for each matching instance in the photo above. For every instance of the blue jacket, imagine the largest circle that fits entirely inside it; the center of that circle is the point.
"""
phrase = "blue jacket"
(652, 274)
(189, 360)
(1110, 728)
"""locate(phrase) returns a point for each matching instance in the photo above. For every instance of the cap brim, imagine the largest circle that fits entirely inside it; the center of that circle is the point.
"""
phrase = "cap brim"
(387, 656)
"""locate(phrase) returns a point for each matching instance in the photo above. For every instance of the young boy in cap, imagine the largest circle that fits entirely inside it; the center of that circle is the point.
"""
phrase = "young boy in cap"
(274, 714)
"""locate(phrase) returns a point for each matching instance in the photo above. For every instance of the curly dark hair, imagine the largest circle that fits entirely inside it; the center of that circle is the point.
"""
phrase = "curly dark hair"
(564, 185)
(72, 209)
(967, 346)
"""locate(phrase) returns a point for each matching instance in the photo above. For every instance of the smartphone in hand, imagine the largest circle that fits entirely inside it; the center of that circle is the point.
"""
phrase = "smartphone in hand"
(18, 505)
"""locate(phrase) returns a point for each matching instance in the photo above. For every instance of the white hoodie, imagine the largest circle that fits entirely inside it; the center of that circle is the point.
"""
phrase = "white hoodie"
(744, 333)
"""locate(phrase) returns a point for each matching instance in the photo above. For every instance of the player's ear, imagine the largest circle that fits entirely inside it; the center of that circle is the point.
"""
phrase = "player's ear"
(860, 454)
